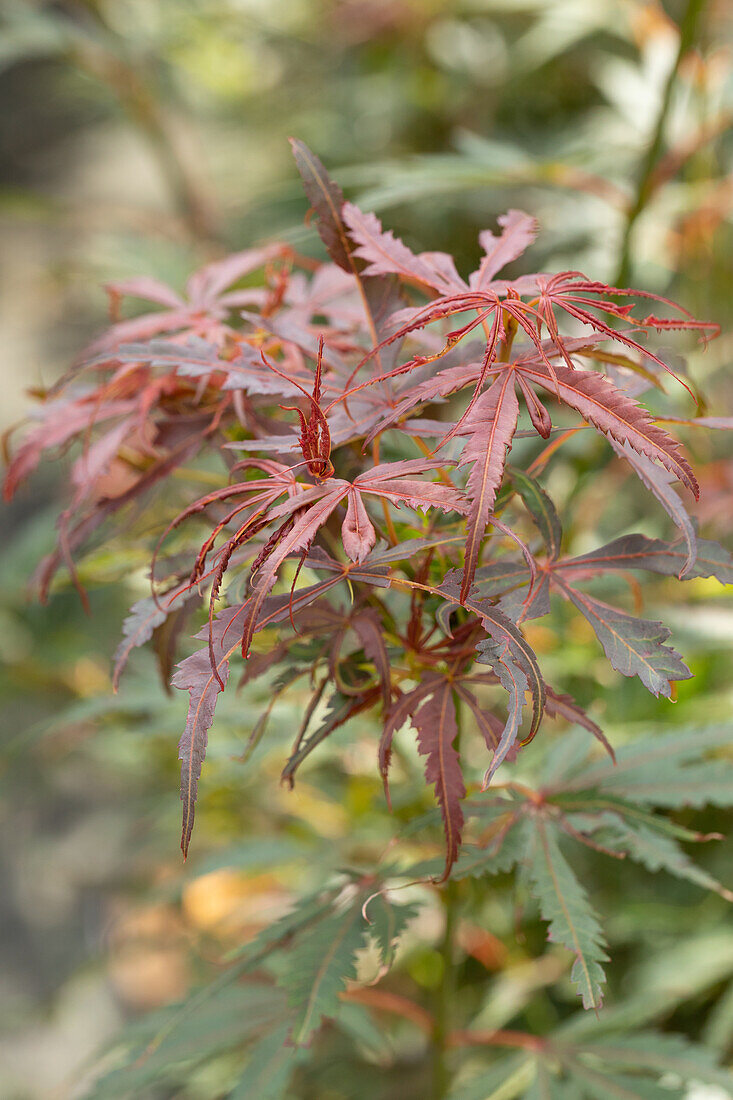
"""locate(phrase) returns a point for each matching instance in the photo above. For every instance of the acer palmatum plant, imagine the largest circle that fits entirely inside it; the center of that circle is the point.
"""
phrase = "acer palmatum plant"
(366, 532)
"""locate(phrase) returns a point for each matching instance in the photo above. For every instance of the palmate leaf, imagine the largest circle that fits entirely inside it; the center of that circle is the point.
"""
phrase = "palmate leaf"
(647, 1065)
(498, 856)
(564, 905)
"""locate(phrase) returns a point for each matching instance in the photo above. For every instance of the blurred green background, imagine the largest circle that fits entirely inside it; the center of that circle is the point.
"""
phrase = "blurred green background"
(146, 136)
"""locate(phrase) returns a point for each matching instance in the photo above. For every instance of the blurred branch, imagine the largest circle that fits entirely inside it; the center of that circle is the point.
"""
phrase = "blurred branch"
(139, 101)
(646, 182)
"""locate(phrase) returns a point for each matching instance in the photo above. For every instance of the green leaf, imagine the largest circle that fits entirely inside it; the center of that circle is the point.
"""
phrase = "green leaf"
(663, 771)
(498, 856)
(662, 1054)
(269, 1069)
(541, 508)
(505, 1080)
(564, 905)
(226, 1021)
(318, 968)
(387, 922)
(658, 852)
(548, 1087)
(597, 1086)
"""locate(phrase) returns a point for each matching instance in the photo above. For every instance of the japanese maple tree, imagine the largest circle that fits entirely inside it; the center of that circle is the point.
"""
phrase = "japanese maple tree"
(363, 529)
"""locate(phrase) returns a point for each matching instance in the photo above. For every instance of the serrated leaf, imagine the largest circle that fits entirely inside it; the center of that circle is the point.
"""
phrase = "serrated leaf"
(662, 1053)
(616, 415)
(665, 771)
(659, 852)
(490, 427)
(512, 678)
(565, 906)
(319, 966)
(327, 199)
(659, 482)
(639, 552)
(387, 922)
(269, 1068)
(496, 857)
(437, 729)
(633, 646)
(195, 675)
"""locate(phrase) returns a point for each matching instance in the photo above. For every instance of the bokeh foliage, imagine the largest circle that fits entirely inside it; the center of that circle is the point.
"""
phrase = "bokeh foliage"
(146, 135)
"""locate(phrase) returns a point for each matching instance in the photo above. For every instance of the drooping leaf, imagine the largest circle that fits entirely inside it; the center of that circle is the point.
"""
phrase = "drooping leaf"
(565, 906)
(659, 482)
(563, 705)
(437, 729)
(614, 414)
(513, 679)
(657, 851)
(668, 771)
(367, 625)
(195, 674)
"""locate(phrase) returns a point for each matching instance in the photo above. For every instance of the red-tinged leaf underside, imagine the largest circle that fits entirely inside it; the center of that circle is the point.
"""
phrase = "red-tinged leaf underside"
(197, 676)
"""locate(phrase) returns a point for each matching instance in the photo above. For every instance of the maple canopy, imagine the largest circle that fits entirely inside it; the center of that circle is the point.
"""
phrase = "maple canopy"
(358, 526)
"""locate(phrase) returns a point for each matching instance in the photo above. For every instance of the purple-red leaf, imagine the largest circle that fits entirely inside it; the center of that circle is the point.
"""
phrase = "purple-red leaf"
(518, 230)
(437, 730)
(491, 425)
(195, 675)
